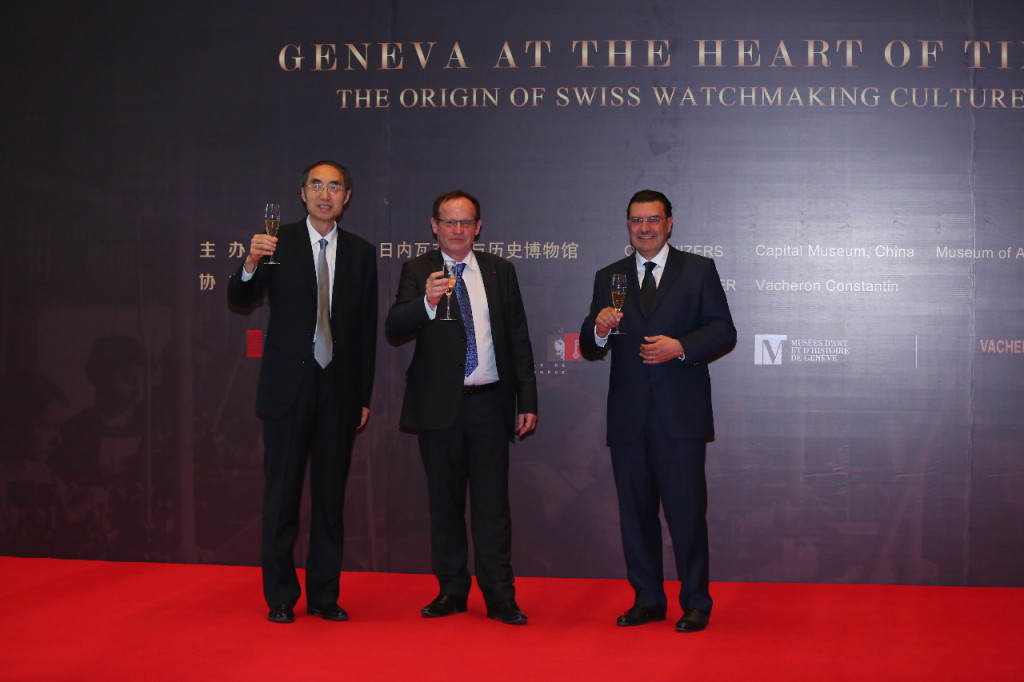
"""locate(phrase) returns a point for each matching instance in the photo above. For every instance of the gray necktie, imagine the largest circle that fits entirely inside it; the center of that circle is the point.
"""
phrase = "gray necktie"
(322, 344)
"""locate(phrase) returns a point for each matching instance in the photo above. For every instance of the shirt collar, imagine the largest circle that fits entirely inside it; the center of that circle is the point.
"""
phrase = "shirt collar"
(315, 237)
(660, 259)
(469, 260)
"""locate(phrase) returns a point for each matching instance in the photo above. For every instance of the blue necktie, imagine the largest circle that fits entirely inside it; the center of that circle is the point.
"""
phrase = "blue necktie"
(466, 311)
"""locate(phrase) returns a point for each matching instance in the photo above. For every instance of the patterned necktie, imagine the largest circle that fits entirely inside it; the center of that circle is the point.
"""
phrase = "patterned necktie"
(649, 287)
(466, 310)
(322, 343)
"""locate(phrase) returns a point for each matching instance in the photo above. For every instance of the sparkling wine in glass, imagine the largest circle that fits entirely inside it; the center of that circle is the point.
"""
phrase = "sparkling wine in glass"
(619, 285)
(449, 271)
(271, 223)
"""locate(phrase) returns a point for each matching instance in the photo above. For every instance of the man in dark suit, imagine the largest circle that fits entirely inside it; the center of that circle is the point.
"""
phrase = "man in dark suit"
(315, 382)
(674, 321)
(470, 388)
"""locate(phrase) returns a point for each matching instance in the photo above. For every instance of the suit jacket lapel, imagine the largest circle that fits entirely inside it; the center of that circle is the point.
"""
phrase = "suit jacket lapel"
(341, 264)
(295, 254)
(673, 269)
(490, 278)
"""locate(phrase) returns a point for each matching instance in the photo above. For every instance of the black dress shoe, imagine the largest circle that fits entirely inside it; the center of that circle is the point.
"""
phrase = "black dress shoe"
(281, 614)
(507, 612)
(694, 620)
(329, 612)
(444, 604)
(639, 615)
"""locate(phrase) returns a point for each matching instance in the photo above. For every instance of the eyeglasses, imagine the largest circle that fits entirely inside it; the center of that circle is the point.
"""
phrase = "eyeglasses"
(451, 222)
(332, 187)
(654, 220)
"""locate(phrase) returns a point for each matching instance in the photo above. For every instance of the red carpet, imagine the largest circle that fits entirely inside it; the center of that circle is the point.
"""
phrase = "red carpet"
(90, 620)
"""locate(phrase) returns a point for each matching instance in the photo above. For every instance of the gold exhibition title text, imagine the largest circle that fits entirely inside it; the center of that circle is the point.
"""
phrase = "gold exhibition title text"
(814, 53)
(706, 56)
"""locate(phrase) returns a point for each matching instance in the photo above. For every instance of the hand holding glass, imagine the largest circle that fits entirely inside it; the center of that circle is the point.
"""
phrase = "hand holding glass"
(619, 285)
(449, 271)
(271, 223)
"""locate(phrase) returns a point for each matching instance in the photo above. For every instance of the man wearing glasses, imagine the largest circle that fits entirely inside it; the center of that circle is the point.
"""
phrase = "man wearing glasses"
(470, 389)
(314, 385)
(675, 320)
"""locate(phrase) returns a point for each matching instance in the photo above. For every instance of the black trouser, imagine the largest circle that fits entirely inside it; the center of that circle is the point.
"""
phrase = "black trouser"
(313, 431)
(472, 453)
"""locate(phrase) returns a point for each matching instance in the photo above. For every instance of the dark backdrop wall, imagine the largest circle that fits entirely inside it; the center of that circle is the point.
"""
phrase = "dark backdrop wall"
(853, 167)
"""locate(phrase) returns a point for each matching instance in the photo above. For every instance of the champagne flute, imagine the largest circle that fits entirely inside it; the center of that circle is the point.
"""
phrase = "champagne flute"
(619, 285)
(449, 271)
(271, 223)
